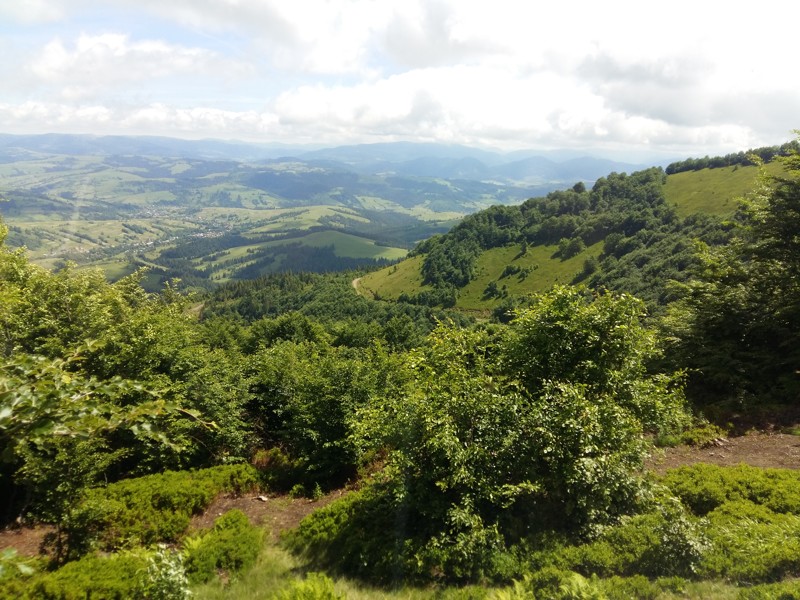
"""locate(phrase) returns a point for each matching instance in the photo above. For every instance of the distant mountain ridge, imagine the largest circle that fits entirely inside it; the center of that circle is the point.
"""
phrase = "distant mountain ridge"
(408, 159)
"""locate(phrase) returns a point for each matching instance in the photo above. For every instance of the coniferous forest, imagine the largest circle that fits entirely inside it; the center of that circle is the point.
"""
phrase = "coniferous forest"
(439, 453)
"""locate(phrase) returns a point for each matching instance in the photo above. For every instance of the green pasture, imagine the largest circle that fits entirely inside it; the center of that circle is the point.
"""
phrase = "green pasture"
(70, 239)
(390, 282)
(351, 246)
(713, 191)
(302, 218)
(545, 270)
(344, 244)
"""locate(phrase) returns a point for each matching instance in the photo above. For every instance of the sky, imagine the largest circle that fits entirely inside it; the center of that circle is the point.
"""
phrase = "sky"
(626, 79)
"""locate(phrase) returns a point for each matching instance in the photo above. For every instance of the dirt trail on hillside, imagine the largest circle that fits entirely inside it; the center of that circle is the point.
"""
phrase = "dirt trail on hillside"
(276, 513)
(759, 449)
(280, 513)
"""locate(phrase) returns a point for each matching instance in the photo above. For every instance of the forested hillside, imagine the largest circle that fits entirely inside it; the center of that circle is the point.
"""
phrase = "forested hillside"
(635, 233)
(498, 458)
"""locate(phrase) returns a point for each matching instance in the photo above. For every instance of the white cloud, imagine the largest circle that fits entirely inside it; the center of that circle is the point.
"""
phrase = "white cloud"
(30, 11)
(101, 64)
(504, 73)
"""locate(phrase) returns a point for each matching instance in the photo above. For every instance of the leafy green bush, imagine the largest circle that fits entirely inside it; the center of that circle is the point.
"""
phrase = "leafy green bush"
(150, 509)
(702, 488)
(157, 575)
(702, 434)
(277, 470)
(166, 576)
(751, 550)
(666, 542)
(342, 536)
(15, 573)
(232, 545)
(491, 440)
(304, 399)
(116, 577)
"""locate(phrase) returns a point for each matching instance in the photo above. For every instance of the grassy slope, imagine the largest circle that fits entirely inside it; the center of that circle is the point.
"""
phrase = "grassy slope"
(712, 191)
(353, 246)
(390, 282)
(547, 270)
(344, 245)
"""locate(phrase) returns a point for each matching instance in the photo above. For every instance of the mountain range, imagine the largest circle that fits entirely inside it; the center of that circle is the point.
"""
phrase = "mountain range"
(407, 159)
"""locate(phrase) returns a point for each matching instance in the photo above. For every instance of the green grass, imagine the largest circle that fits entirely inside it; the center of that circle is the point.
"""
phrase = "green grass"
(344, 244)
(390, 282)
(115, 269)
(276, 569)
(281, 219)
(545, 271)
(352, 246)
(713, 191)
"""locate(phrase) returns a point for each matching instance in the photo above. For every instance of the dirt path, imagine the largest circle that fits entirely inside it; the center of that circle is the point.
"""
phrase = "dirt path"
(355, 283)
(276, 513)
(777, 450)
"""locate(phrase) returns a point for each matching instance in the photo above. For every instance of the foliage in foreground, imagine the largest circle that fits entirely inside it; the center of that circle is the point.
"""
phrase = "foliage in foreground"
(230, 547)
(740, 525)
(147, 510)
(497, 438)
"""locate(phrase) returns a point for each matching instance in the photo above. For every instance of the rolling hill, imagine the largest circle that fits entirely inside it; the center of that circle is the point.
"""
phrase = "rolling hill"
(630, 233)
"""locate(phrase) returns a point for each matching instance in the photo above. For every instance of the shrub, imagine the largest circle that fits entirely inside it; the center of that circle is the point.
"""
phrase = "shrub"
(150, 509)
(553, 583)
(746, 550)
(116, 577)
(491, 439)
(623, 588)
(343, 536)
(666, 542)
(701, 435)
(787, 590)
(544, 583)
(232, 545)
(753, 521)
(277, 470)
(15, 573)
(703, 487)
(166, 577)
